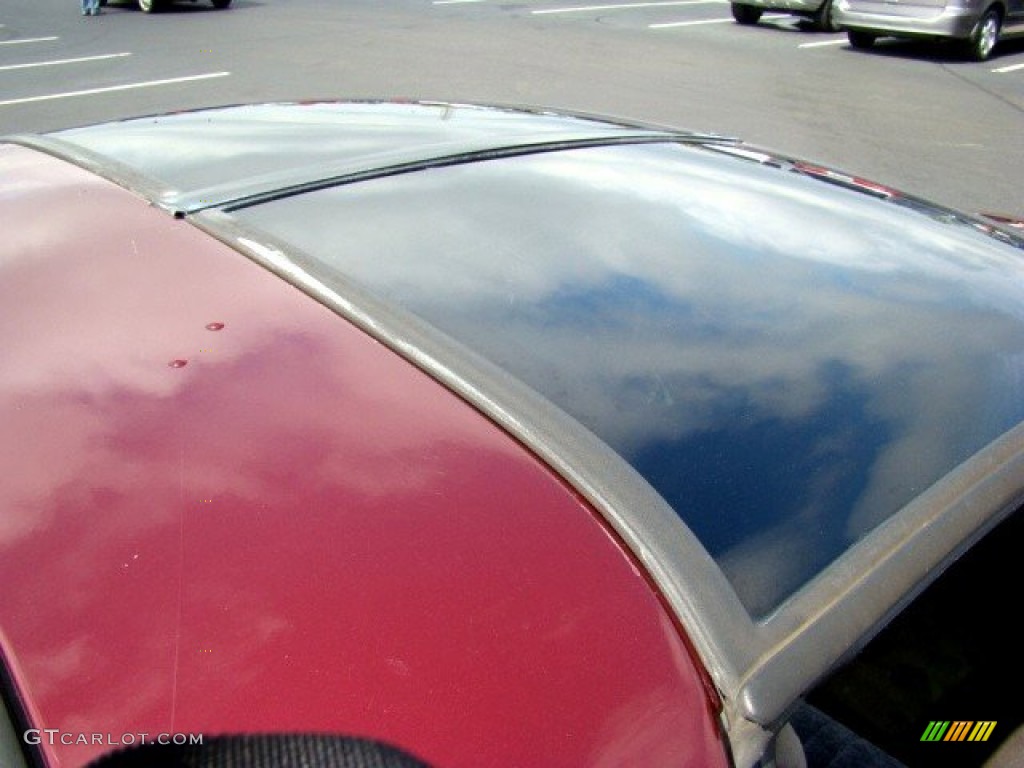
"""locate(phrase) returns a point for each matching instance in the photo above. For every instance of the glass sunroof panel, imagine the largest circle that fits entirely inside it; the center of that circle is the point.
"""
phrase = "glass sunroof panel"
(786, 362)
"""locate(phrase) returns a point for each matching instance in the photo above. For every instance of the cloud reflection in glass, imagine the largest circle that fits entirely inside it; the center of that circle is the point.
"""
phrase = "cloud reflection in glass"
(786, 362)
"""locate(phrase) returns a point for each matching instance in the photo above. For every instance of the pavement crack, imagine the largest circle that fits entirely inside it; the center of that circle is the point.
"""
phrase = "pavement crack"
(978, 86)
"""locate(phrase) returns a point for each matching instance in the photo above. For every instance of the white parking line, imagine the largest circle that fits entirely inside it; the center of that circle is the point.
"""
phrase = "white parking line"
(29, 40)
(128, 86)
(711, 21)
(63, 61)
(622, 6)
(1011, 68)
(822, 43)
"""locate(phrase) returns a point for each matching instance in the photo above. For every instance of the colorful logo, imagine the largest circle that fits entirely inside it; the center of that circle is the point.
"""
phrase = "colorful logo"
(958, 730)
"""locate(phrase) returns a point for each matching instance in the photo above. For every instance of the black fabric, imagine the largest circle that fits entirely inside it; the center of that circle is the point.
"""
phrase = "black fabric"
(829, 744)
(264, 751)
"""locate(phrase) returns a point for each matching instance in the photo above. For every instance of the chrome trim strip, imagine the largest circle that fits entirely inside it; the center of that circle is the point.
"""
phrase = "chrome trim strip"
(232, 197)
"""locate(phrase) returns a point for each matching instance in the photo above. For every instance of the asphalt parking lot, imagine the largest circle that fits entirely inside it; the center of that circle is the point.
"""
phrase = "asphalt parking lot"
(916, 116)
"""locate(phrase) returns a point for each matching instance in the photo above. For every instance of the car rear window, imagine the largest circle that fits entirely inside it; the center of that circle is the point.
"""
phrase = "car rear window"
(785, 388)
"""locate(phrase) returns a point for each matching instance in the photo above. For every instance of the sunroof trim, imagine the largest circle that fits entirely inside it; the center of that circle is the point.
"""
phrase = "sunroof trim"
(236, 197)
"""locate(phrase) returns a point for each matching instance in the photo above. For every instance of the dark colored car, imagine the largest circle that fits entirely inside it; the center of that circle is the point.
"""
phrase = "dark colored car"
(504, 437)
(820, 12)
(150, 6)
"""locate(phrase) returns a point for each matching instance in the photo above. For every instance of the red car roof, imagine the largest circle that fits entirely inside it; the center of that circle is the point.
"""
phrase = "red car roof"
(225, 509)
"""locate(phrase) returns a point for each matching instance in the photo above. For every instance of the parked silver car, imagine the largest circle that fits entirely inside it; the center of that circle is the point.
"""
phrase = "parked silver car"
(977, 24)
(818, 11)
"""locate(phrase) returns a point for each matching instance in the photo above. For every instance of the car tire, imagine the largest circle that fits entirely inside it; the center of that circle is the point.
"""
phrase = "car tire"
(860, 40)
(221, 4)
(825, 17)
(985, 35)
(149, 6)
(746, 14)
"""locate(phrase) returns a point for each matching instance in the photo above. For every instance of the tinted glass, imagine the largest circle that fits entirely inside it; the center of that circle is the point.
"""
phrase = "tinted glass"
(785, 361)
(197, 150)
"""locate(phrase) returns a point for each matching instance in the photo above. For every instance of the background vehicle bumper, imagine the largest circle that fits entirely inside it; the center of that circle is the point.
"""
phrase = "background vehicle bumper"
(790, 6)
(888, 18)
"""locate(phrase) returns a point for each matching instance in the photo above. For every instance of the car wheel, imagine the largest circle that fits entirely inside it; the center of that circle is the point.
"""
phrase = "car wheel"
(825, 17)
(860, 40)
(149, 6)
(221, 3)
(746, 14)
(985, 36)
